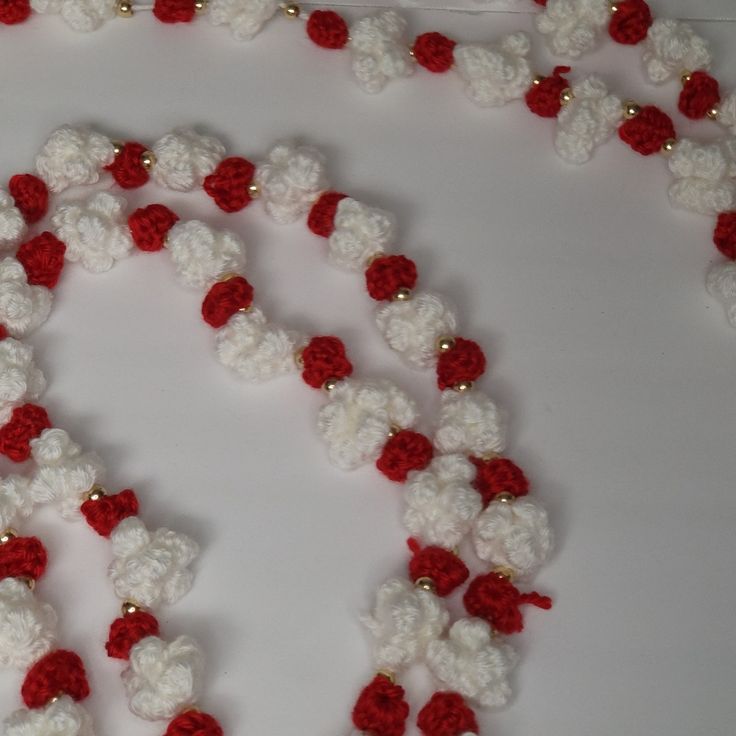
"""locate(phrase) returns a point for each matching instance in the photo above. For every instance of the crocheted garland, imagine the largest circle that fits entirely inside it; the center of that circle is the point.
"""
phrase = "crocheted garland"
(704, 174)
(458, 485)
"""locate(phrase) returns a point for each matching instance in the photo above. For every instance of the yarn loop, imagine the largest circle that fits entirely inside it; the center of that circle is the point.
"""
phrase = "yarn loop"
(127, 631)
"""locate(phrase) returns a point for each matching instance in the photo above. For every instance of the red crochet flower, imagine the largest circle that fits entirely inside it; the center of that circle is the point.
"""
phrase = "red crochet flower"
(104, 514)
(127, 631)
(327, 29)
(194, 723)
(43, 259)
(446, 570)
(26, 423)
(699, 95)
(434, 52)
(228, 184)
(323, 358)
(464, 361)
(14, 11)
(321, 220)
(404, 452)
(499, 475)
(381, 709)
(446, 714)
(31, 196)
(61, 671)
(174, 11)
(543, 98)
(22, 557)
(127, 168)
(387, 274)
(224, 299)
(724, 235)
(647, 131)
(630, 23)
(150, 225)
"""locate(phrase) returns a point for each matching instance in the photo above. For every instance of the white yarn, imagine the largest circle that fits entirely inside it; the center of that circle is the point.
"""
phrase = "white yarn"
(727, 112)
(495, 74)
(587, 121)
(412, 327)
(256, 349)
(671, 48)
(290, 180)
(721, 283)
(163, 677)
(356, 421)
(441, 503)
(95, 231)
(15, 500)
(404, 621)
(62, 717)
(20, 379)
(63, 472)
(184, 158)
(12, 224)
(515, 535)
(380, 50)
(469, 423)
(72, 157)
(80, 15)
(360, 232)
(704, 177)
(572, 27)
(27, 626)
(23, 308)
(469, 662)
(201, 254)
(245, 17)
(150, 567)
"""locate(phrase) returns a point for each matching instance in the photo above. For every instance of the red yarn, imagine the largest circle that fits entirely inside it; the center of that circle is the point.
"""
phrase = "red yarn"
(22, 557)
(699, 94)
(14, 11)
(543, 99)
(630, 23)
(150, 225)
(127, 168)
(446, 714)
(494, 597)
(404, 452)
(724, 235)
(31, 196)
(194, 723)
(541, 2)
(127, 631)
(174, 11)
(3, 332)
(499, 475)
(442, 566)
(60, 672)
(228, 184)
(387, 274)
(647, 131)
(42, 258)
(327, 29)
(434, 51)
(104, 514)
(26, 423)
(323, 358)
(321, 220)
(224, 299)
(381, 709)
(464, 361)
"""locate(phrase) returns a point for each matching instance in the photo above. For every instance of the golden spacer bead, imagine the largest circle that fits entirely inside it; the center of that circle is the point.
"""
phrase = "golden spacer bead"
(30, 582)
(463, 386)
(402, 295)
(445, 343)
(504, 497)
(227, 276)
(299, 358)
(8, 535)
(117, 147)
(292, 10)
(200, 6)
(426, 583)
(668, 146)
(566, 96)
(95, 493)
(254, 191)
(330, 384)
(713, 113)
(394, 429)
(685, 77)
(613, 8)
(538, 80)
(631, 109)
(148, 160)
(506, 572)
(124, 9)
(390, 676)
(129, 607)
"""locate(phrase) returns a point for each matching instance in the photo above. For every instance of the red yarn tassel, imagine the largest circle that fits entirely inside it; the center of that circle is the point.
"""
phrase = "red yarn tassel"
(381, 709)
(22, 557)
(59, 672)
(446, 714)
(26, 423)
(443, 567)
(127, 631)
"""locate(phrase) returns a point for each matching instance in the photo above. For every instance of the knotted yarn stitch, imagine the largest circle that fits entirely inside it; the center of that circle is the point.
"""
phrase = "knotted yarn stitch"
(544, 97)
(20, 380)
(184, 158)
(62, 717)
(12, 222)
(463, 362)
(571, 27)
(23, 306)
(83, 16)
(321, 219)
(498, 475)
(469, 423)
(14, 11)
(322, 358)
(194, 723)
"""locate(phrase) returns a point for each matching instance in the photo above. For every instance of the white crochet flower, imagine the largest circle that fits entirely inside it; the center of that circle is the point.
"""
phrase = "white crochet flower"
(441, 503)
(23, 308)
(704, 177)
(572, 27)
(162, 677)
(184, 158)
(63, 472)
(360, 232)
(20, 379)
(150, 567)
(515, 535)
(290, 180)
(470, 423)
(255, 349)
(403, 623)
(201, 254)
(495, 74)
(94, 230)
(27, 626)
(672, 47)
(61, 717)
(412, 327)
(587, 121)
(81, 15)
(73, 156)
(727, 112)
(721, 283)
(469, 662)
(12, 224)
(15, 500)
(380, 50)
(356, 421)
(245, 17)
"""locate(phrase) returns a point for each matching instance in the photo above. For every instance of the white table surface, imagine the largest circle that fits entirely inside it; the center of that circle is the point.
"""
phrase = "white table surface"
(586, 288)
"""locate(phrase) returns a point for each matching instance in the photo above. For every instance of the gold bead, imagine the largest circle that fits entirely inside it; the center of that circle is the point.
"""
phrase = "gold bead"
(506, 572)
(95, 493)
(504, 497)
(713, 113)
(402, 295)
(299, 358)
(227, 276)
(488, 456)
(463, 386)
(30, 582)
(613, 8)
(8, 535)
(330, 384)
(685, 77)
(668, 146)
(129, 607)
(117, 147)
(254, 191)
(426, 583)
(124, 9)
(538, 80)
(566, 96)
(631, 109)
(200, 6)
(445, 343)
(390, 676)
(292, 11)
(394, 429)
(148, 160)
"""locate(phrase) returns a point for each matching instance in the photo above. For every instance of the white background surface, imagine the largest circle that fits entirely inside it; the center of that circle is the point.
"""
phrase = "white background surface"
(616, 368)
